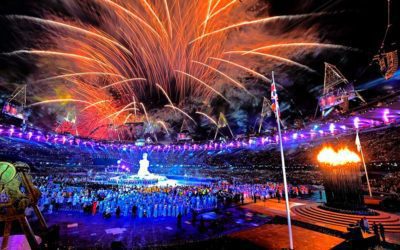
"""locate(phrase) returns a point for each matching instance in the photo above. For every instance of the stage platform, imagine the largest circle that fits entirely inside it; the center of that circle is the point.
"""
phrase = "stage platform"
(308, 212)
(339, 221)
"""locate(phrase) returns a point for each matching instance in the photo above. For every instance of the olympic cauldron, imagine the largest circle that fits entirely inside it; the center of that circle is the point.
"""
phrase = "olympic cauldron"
(342, 178)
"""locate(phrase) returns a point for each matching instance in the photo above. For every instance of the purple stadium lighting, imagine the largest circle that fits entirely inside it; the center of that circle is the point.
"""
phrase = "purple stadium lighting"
(385, 116)
(264, 140)
(332, 128)
(314, 131)
(356, 123)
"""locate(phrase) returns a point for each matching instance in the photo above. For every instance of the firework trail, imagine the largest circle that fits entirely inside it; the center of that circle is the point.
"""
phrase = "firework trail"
(127, 118)
(162, 123)
(143, 48)
(253, 72)
(65, 76)
(181, 111)
(208, 117)
(165, 94)
(94, 104)
(124, 81)
(59, 101)
(302, 45)
(69, 27)
(54, 53)
(226, 76)
(203, 83)
(145, 112)
(258, 21)
(279, 58)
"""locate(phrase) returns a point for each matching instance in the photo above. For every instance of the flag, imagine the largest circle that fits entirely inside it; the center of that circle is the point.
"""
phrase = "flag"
(274, 99)
(275, 108)
(358, 143)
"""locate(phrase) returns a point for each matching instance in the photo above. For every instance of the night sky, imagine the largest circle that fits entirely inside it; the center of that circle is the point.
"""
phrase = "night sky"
(357, 23)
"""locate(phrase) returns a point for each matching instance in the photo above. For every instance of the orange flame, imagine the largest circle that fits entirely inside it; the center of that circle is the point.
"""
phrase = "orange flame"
(343, 156)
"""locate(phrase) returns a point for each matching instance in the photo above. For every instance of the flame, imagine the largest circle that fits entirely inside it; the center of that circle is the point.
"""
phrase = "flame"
(343, 156)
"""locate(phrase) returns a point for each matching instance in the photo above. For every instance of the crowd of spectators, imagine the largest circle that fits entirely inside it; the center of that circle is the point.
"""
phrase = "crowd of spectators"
(388, 183)
(380, 147)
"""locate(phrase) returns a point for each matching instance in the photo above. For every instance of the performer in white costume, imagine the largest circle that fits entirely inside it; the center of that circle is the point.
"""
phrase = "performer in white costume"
(144, 167)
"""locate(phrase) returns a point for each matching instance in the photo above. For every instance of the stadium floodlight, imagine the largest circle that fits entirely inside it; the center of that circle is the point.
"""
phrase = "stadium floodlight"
(332, 128)
(356, 122)
(385, 116)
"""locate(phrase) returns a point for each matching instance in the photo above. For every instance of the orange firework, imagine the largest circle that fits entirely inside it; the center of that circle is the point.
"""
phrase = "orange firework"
(140, 49)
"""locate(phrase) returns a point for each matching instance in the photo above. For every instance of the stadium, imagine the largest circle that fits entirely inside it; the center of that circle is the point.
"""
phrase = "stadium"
(202, 124)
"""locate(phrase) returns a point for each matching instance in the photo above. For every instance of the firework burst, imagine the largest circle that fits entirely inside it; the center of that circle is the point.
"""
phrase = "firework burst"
(135, 50)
